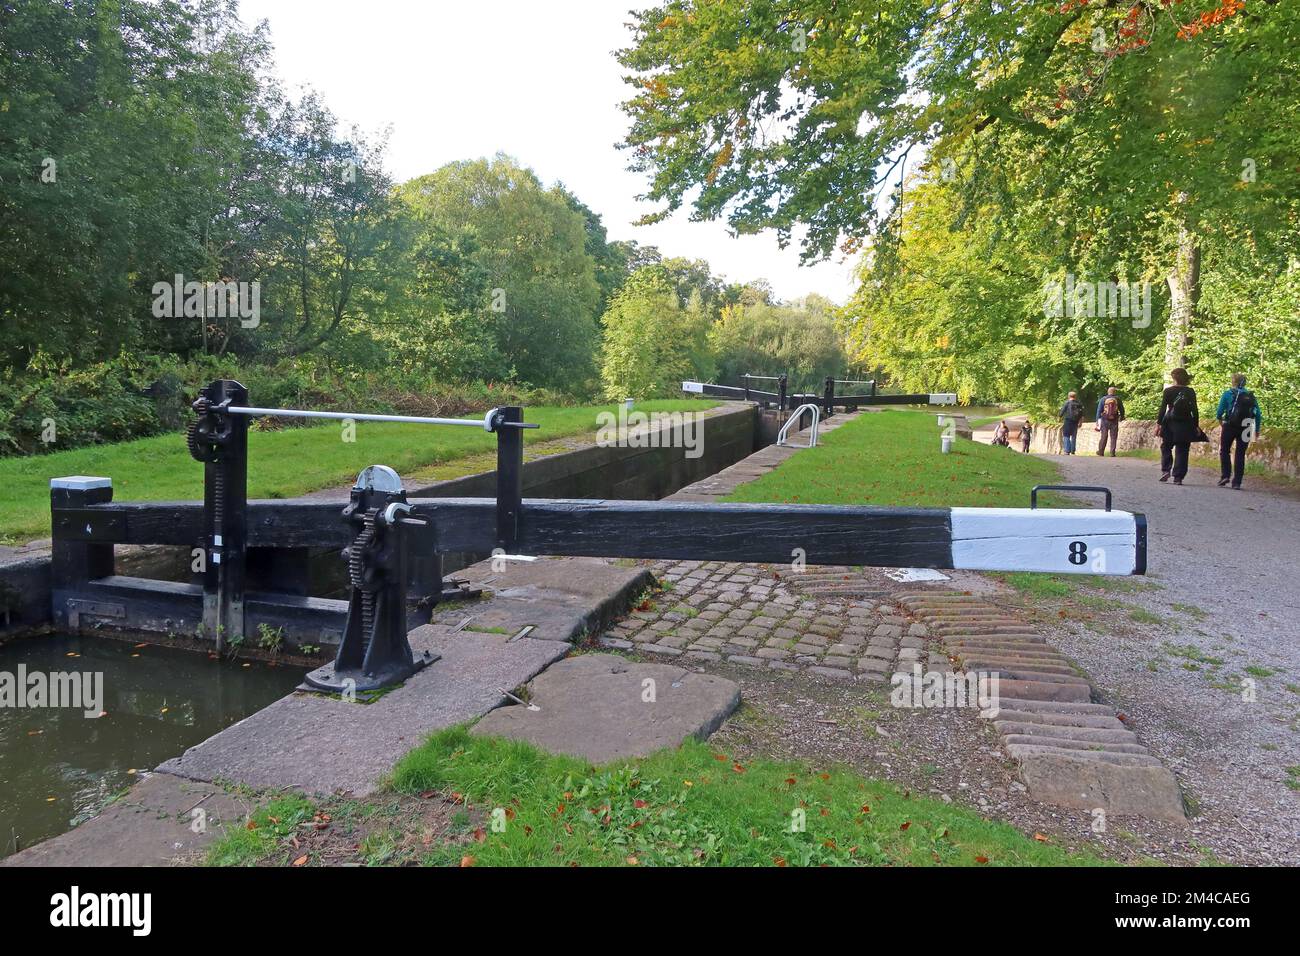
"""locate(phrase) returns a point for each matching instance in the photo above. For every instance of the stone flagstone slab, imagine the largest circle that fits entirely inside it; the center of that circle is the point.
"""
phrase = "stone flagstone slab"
(324, 745)
(600, 707)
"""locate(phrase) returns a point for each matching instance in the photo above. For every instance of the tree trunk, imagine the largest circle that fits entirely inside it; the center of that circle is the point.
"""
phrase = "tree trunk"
(1184, 282)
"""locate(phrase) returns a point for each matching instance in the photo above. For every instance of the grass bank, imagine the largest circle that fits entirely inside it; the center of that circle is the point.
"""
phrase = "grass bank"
(694, 806)
(894, 458)
(282, 464)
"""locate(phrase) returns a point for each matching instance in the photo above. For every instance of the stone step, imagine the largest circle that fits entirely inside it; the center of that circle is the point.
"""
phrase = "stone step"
(968, 629)
(1023, 642)
(947, 619)
(1020, 751)
(1028, 652)
(1117, 783)
(952, 610)
(1082, 747)
(1060, 720)
(1011, 702)
(1045, 661)
(1093, 735)
(1011, 666)
(836, 590)
(1045, 690)
(1012, 672)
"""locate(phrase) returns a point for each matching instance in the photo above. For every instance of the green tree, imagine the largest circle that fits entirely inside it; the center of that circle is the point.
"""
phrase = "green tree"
(1117, 136)
(652, 341)
(119, 125)
(532, 247)
(761, 338)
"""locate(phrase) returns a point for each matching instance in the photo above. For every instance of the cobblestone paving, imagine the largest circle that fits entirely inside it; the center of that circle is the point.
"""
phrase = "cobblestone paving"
(756, 615)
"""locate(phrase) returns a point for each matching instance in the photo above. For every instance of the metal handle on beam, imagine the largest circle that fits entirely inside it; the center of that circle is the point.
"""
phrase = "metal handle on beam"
(490, 422)
(1033, 494)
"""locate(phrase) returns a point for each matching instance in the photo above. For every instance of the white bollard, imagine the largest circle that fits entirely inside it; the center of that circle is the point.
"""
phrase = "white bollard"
(627, 403)
(946, 444)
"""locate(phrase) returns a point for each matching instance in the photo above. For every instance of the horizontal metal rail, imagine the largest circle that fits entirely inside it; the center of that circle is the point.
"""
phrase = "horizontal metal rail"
(487, 423)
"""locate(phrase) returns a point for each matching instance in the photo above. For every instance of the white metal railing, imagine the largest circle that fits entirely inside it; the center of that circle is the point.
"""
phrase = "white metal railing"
(794, 417)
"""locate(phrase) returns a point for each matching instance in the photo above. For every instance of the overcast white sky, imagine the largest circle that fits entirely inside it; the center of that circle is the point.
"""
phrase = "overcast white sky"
(533, 78)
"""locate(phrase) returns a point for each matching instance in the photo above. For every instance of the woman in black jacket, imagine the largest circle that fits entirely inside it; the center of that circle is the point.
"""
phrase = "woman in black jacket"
(1177, 425)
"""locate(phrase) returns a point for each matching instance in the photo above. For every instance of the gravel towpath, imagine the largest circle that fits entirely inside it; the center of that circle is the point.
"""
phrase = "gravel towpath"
(1215, 682)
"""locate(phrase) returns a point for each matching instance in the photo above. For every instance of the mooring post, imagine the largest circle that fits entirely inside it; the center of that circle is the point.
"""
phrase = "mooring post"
(510, 476)
(73, 563)
(782, 384)
(220, 441)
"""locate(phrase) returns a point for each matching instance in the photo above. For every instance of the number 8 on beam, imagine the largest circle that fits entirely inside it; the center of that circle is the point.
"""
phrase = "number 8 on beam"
(1053, 540)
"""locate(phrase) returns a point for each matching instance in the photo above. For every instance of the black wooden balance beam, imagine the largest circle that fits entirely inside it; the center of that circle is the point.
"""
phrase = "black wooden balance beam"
(827, 401)
(1055, 540)
(830, 400)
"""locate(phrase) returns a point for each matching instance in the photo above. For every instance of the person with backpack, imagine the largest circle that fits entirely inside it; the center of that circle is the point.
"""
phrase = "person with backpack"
(1071, 414)
(1001, 434)
(1110, 412)
(1177, 425)
(1239, 420)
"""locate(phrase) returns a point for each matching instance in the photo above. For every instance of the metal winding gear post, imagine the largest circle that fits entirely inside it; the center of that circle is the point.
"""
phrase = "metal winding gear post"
(375, 652)
(220, 440)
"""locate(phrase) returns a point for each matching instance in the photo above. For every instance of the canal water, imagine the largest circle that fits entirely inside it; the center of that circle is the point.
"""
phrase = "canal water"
(58, 766)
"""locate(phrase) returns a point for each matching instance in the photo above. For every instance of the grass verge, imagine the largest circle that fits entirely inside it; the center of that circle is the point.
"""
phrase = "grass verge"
(893, 458)
(282, 464)
(691, 806)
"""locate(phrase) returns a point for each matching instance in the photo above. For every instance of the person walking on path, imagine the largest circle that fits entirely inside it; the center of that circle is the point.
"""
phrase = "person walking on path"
(1239, 422)
(1110, 412)
(1177, 425)
(1026, 435)
(1071, 414)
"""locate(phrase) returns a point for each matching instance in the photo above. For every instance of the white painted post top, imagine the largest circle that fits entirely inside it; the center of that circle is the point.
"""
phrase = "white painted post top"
(80, 483)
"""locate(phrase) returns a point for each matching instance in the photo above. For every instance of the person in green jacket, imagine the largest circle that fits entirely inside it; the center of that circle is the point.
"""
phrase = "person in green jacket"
(1239, 420)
